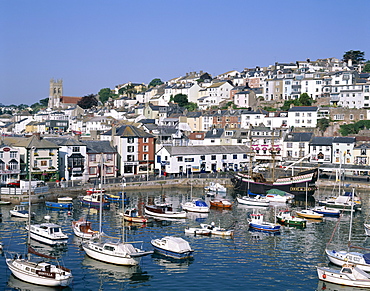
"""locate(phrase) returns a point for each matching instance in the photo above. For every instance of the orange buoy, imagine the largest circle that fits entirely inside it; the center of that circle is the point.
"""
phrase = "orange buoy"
(324, 276)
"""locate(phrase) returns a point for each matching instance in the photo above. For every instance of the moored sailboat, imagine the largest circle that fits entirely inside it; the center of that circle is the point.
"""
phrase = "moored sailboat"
(35, 272)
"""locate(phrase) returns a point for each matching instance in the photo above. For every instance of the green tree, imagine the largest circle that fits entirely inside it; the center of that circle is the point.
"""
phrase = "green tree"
(129, 90)
(191, 106)
(367, 67)
(354, 128)
(356, 56)
(181, 99)
(105, 94)
(155, 82)
(323, 124)
(305, 100)
(44, 102)
(88, 101)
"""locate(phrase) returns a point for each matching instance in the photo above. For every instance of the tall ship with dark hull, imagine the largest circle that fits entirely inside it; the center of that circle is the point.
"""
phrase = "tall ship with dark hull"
(258, 184)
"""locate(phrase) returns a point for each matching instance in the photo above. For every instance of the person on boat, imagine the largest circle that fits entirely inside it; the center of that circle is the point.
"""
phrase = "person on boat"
(212, 226)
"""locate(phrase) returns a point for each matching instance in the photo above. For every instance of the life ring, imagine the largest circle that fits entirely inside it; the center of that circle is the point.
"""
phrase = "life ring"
(324, 276)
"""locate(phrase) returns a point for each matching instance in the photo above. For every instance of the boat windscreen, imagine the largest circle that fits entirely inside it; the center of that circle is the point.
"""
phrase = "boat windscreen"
(367, 258)
(201, 203)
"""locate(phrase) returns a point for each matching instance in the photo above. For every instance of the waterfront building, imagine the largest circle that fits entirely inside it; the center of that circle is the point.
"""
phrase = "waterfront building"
(9, 164)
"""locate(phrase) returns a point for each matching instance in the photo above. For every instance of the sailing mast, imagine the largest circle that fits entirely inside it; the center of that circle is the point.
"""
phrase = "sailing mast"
(272, 151)
(123, 209)
(29, 203)
(101, 195)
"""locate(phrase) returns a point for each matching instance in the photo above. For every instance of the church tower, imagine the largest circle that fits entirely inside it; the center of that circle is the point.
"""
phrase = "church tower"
(55, 92)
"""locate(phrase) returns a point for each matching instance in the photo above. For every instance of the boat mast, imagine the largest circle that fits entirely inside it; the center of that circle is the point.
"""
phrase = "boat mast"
(101, 194)
(123, 208)
(32, 150)
(273, 154)
(350, 224)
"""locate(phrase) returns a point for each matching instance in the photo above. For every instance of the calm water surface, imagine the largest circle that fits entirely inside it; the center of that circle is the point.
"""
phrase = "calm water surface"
(251, 260)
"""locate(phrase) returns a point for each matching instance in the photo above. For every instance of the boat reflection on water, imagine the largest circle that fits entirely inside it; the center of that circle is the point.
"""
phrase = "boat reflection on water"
(260, 234)
(17, 284)
(118, 272)
(335, 287)
(197, 216)
(172, 265)
(54, 251)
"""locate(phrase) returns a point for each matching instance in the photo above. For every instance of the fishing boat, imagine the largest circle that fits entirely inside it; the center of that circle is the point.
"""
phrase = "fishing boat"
(197, 231)
(256, 221)
(348, 275)
(20, 211)
(2, 202)
(217, 230)
(285, 217)
(36, 271)
(117, 198)
(82, 228)
(253, 201)
(48, 233)
(257, 183)
(132, 215)
(221, 203)
(174, 247)
(119, 253)
(93, 200)
(196, 205)
(94, 190)
(215, 187)
(331, 212)
(164, 210)
(59, 205)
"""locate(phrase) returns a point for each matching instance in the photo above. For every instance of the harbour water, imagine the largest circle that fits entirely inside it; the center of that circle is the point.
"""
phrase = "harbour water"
(249, 260)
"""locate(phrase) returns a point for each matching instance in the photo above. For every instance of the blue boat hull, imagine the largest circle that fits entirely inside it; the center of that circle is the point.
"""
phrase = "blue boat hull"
(264, 227)
(329, 214)
(167, 253)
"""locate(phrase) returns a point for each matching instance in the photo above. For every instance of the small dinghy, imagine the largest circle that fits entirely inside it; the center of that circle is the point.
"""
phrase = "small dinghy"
(217, 230)
(174, 247)
(82, 228)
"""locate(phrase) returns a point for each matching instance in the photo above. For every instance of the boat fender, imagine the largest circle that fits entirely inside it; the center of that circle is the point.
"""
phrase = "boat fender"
(324, 276)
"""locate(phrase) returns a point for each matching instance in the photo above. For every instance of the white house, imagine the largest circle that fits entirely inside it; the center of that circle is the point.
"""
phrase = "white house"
(302, 116)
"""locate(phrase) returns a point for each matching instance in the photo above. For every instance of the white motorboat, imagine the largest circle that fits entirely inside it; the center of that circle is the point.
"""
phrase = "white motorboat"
(217, 230)
(257, 222)
(174, 247)
(82, 228)
(197, 231)
(309, 213)
(48, 233)
(278, 196)
(215, 187)
(253, 201)
(164, 210)
(36, 272)
(20, 211)
(348, 275)
(196, 205)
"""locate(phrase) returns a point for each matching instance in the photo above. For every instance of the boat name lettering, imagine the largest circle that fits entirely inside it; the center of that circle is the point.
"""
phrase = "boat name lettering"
(45, 274)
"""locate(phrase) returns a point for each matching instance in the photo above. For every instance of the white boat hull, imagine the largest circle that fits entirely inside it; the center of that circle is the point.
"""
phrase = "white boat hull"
(339, 258)
(123, 259)
(195, 208)
(367, 229)
(34, 278)
(335, 276)
(252, 202)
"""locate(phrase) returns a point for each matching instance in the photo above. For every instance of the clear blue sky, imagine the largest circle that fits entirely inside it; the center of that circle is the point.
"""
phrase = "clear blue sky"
(98, 44)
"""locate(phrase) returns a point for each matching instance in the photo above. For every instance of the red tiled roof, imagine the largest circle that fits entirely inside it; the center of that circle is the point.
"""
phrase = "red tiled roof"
(69, 100)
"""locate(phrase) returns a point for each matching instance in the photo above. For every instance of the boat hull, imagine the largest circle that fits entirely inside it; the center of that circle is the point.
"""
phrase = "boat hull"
(291, 222)
(168, 214)
(294, 185)
(253, 202)
(335, 276)
(58, 205)
(263, 227)
(37, 279)
(107, 258)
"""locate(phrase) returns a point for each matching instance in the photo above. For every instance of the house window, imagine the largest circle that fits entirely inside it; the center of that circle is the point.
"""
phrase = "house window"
(189, 160)
(109, 170)
(130, 140)
(35, 163)
(145, 140)
(297, 114)
(76, 149)
(130, 158)
(289, 145)
(145, 148)
(213, 157)
(235, 157)
(109, 157)
(50, 163)
(289, 153)
(179, 159)
(92, 158)
(203, 157)
(13, 155)
(130, 149)
(43, 163)
(351, 116)
(145, 157)
(224, 157)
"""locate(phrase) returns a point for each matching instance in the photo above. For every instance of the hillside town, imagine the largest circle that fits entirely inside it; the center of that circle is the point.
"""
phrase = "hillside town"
(237, 119)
